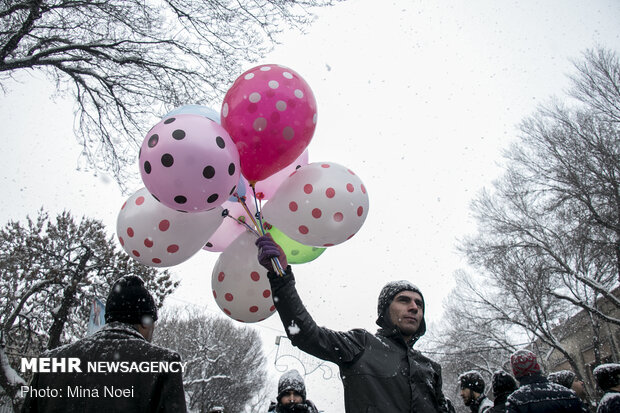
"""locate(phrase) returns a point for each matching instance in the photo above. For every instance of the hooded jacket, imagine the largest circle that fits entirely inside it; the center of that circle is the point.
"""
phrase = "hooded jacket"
(380, 372)
(85, 392)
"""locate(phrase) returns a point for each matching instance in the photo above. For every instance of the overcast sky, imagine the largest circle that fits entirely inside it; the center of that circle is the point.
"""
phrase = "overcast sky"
(417, 97)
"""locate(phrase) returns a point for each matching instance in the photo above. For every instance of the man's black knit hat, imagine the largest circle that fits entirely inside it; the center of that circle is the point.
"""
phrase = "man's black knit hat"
(502, 382)
(129, 302)
(472, 380)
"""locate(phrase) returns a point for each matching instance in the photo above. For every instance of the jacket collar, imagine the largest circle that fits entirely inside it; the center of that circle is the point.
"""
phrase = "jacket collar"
(532, 378)
(394, 334)
(120, 328)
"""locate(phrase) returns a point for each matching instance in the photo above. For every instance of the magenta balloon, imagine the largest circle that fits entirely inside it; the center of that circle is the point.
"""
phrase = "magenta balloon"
(189, 163)
(266, 188)
(270, 114)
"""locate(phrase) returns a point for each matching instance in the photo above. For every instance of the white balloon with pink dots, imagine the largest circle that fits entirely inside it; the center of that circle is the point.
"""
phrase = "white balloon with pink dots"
(239, 283)
(158, 236)
(320, 204)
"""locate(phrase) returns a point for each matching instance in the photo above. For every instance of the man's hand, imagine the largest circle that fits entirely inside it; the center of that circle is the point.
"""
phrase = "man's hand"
(268, 249)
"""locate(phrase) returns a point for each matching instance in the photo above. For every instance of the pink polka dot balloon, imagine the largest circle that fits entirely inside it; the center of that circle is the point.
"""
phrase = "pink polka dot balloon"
(230, 228)
(240, 285)
(155, 235)
(189, 163)
(270, 113)
(321, 204)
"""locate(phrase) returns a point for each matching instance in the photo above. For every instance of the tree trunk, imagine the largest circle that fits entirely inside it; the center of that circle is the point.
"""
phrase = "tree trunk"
(60, 316)
(10, 381)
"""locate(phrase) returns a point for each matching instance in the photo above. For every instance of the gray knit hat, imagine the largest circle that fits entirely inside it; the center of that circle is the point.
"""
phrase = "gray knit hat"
(388, 292)
(291, 380)
(563, 377)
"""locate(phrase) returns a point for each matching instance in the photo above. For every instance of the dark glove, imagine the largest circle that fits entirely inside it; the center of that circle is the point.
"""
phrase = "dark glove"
(296, 408)
(268, 249)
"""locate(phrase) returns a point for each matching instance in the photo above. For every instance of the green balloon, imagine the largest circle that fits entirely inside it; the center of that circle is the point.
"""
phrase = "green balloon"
(296, 253)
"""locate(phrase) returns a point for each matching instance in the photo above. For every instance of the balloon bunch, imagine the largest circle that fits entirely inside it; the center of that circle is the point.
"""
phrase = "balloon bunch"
(206, 182)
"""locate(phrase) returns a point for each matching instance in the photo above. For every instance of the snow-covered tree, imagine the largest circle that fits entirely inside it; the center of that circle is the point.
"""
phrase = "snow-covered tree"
(127, 62)
(226, 365)
(553, 220)
(50, 271)
(548, 238)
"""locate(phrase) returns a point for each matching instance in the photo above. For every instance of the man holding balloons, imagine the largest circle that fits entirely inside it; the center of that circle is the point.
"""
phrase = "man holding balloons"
(380, 372)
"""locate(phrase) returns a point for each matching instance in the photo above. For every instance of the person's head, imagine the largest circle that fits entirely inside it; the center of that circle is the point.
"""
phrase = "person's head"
(130, 302)
(569, 380)
(502, 383)
(401, 306)
(291, 388)
(524, 363)
(607, 376)
(472, 386)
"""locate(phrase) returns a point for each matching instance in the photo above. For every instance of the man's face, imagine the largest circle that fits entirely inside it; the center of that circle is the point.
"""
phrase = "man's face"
(406, 312)
(291, 397)
(467, 395)
(578, 388)
(147, 329)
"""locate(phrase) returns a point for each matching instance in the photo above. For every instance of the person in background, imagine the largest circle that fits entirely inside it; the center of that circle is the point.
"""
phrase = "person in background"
(607, 377)
(292, 395)
(130, 315)
(535, 393)
(380, 372)
(450, 406)
(502, 384)
(569, 380)
(472, 392)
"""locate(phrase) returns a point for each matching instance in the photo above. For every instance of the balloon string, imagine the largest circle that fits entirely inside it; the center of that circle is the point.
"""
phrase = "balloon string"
(247, 210)
(240, 221)
(258, 211)
(274, 261)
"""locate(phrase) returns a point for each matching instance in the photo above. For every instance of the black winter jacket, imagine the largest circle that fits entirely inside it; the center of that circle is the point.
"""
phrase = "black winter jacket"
(85, 392)
(499, 404)
(380, 372)
(537, 395)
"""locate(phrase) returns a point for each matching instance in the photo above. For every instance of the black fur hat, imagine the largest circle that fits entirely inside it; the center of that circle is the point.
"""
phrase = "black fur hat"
(607, 375)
